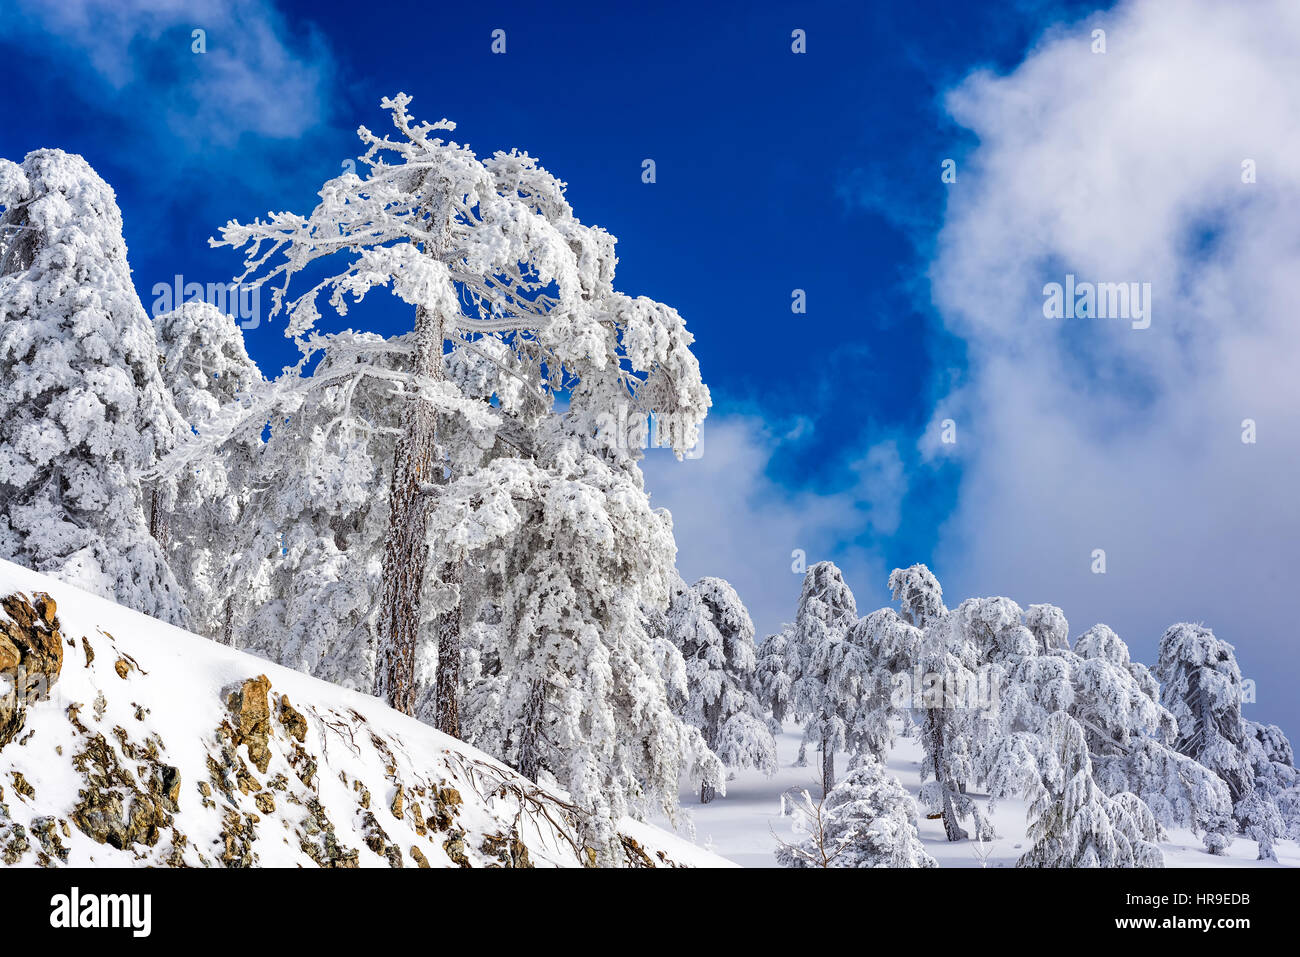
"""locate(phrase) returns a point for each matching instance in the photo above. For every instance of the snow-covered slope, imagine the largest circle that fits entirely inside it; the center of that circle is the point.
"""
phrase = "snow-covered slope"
(155, 747)
(745, 825)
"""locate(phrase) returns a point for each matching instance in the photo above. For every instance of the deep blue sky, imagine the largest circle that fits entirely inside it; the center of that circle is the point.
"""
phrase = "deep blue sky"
(771, 167)
(776, 171)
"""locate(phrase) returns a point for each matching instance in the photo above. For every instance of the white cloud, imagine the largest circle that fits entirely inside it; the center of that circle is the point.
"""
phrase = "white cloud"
(1078, 434)
(258, 75)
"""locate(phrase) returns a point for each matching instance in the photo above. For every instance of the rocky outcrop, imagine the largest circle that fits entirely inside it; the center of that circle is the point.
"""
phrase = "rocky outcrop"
(31, 657)
(252, 713)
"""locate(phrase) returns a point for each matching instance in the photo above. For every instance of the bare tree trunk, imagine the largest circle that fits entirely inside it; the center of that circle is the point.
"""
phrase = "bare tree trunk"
(530, 734)
(228, 623)
(406, 552)
(828, 767)
(447, 682)
(707, 793)
(951, 828)
(158, 521)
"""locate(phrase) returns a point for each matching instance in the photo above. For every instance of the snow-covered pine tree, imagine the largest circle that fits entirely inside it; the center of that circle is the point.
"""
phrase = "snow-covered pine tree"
(867, 820)
(1116, 699)
(1072, 823)
(483, 250)
(572, 686)
(1275, 773)
(207, 367)
(993, 627)
(1049, 627)
(83, 407)
(919, 596)
(1201, 685)
(828, 681)
(946, 660)
(311, 534)
(888, 649)
(777, 670)
(710, 625)
(1116, 702)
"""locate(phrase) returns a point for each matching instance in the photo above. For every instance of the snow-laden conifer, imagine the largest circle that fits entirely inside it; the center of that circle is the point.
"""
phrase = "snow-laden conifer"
(1072, 822)
(946, 660)
(84, 411)
(711, 627)
(867, 820)
(828, 681)
(206, 366)
(490, 257)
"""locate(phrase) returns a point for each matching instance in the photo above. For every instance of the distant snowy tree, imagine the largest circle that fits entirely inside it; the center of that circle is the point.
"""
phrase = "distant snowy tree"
(1072, 822)
(1273, 743)
(946, 659)
(867, 820)
(888, 652)
(777, 670)
(84, 411)
(1260, 822)
(1049, 627)
(827, 684)
(487, 252)
(206, 366)
(710, 625)
(1114, 699)
(1201, 686)
(1276, 777)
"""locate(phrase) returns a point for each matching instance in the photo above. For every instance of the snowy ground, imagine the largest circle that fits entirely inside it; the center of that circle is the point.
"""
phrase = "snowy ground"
(141, 719)
(745, 825)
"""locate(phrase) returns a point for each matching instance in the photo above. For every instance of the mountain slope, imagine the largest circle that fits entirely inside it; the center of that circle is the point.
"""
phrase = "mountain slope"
(128, 742)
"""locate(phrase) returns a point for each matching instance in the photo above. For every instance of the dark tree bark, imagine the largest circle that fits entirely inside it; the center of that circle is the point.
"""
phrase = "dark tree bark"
(158, 521)
(530, 734)
(934, 728)
(405, 548)
(447, 681)
(228, 623)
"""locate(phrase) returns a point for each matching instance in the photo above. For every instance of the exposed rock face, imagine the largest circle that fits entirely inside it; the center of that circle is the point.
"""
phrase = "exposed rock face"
(292, 720)
(31, 657)
(508, 849)
(116, 807)
(252, 714)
